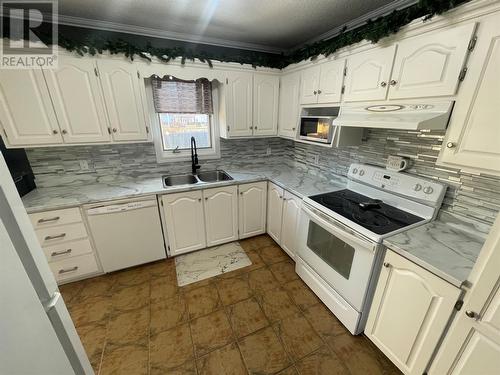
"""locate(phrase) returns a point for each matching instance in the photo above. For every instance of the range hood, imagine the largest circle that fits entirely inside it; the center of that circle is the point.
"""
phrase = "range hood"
(414, 116)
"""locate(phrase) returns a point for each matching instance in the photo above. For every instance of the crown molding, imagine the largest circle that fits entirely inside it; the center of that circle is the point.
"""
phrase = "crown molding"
(163, 34)
(382, 11)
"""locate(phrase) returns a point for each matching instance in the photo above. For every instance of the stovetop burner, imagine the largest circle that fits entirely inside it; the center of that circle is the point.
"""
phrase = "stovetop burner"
(371, 214)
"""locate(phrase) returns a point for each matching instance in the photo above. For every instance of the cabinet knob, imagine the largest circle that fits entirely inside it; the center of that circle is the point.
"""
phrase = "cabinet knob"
(255, 127)
(199, 199)
(55, 131)
(241, 193)
(206, 198)
(251, 127)
(114, 130)
(315, 92)
(387, 265)
(471, 314)
(293, 129)
(450, 145)
(64, 131)
(393, 82)
(383, 83)
(319, 92)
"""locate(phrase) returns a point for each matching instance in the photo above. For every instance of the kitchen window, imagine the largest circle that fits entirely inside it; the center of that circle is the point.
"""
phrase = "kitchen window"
(184, 109)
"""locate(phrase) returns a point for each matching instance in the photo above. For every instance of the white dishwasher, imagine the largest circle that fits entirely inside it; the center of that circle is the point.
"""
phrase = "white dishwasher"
(126, 233)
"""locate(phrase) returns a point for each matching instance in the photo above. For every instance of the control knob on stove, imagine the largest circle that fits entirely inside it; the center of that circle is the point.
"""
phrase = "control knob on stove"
(417, 187)
(355, 171)
(361, 172)
(428, 190)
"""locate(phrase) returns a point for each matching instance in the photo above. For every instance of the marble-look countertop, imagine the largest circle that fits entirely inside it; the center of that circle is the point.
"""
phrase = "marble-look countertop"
(296, 180)
(447, 246)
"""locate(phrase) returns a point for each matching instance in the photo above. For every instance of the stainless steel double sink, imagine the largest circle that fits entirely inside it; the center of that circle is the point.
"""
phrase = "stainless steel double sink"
(191, 179)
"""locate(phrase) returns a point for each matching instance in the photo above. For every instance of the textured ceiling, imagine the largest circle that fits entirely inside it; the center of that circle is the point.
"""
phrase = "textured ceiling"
(279, 24)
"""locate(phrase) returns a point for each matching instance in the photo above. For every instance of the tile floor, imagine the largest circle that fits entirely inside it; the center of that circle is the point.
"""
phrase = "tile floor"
(261, 319)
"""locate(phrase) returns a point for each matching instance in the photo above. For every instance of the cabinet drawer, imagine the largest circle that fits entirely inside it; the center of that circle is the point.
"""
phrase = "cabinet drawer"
(74, 267)
(67, 250)
(60, 234)
(48, 219)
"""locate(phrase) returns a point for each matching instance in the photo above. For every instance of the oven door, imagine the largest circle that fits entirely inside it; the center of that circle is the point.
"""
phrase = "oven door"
(340, 257)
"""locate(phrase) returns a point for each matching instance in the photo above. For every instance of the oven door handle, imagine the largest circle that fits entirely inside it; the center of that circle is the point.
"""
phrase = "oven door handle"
(344, 235)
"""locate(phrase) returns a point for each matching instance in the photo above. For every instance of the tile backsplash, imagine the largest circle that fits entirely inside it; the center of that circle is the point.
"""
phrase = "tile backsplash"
(475, 196)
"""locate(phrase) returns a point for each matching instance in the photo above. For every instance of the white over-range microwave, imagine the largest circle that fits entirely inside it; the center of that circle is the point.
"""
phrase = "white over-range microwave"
(317, 128)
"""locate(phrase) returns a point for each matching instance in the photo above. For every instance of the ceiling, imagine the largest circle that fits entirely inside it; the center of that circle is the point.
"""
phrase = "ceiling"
(272, 25)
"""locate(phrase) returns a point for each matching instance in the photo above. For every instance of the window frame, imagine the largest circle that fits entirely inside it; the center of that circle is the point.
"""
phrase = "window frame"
(163, 156)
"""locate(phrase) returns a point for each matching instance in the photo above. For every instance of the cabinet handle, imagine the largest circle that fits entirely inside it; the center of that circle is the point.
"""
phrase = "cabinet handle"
(206, 198)
(255, 127)
(251, 127)
(64, 131)
(199, 199)
(387, 265)
(62, 235)
(62, 252)
(471, 314)
(393, 82)
(114, 130)
(293, 129)
(319, 92)
(68, 270)
(43, 220)
(55, 131)
(241, 193)
(450, 145)
(383, 83)
(315, 92)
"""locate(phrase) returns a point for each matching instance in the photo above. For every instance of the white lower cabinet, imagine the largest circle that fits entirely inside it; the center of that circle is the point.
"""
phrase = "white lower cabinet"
(252, 209)
(291, 210)
(221, 214)
(274, 211)
(184, 221)
(410, 310)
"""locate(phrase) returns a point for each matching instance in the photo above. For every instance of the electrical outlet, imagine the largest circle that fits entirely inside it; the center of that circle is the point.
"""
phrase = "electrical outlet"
(84, 165)
(268, 151)
(316, 159)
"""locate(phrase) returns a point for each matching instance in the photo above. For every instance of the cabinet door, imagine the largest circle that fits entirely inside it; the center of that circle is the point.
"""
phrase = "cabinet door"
(252, 209)
(26, 112)
(76, 94)
(291, 210)
(409, 313)
(239, 104)
(309, 82)
(429, 65)
(184, 221)
(221, 214)
(121, 87)
(265, 104)
(331, 80)
(274, 211)
(473, 138)
(288, 117)
(368, 74)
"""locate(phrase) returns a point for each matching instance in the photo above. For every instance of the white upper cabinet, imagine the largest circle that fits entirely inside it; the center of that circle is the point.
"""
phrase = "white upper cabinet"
(26, 112)
(368, 74)
(409, 313)
(265, 104)
(430, 65)
(78, 102)
(322, 83)
(252, 209)
(184, 221)
(121, 87)
(473, 138)
(309, 85)
(221, 214)
(288, 117)
(238, 93)
(331, 80)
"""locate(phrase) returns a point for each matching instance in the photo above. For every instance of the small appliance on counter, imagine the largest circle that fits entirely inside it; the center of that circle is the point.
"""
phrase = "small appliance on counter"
(19, 167)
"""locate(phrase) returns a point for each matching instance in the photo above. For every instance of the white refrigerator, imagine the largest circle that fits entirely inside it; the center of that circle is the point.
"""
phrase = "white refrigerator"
(37, 335)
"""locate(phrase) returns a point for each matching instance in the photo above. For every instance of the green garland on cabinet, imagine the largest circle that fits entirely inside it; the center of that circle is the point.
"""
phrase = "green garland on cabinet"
(373, 31)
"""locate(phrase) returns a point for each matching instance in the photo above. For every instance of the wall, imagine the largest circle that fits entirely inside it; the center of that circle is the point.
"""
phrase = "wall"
(472, 195)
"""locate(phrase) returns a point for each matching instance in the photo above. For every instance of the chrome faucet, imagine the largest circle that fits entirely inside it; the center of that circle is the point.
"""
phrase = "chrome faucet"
(194, 156)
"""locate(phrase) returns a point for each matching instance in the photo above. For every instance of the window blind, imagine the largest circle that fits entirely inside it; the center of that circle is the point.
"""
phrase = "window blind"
(172, 95)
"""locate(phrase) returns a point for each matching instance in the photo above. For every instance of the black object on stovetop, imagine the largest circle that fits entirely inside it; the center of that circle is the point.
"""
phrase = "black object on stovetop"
(372, 214)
